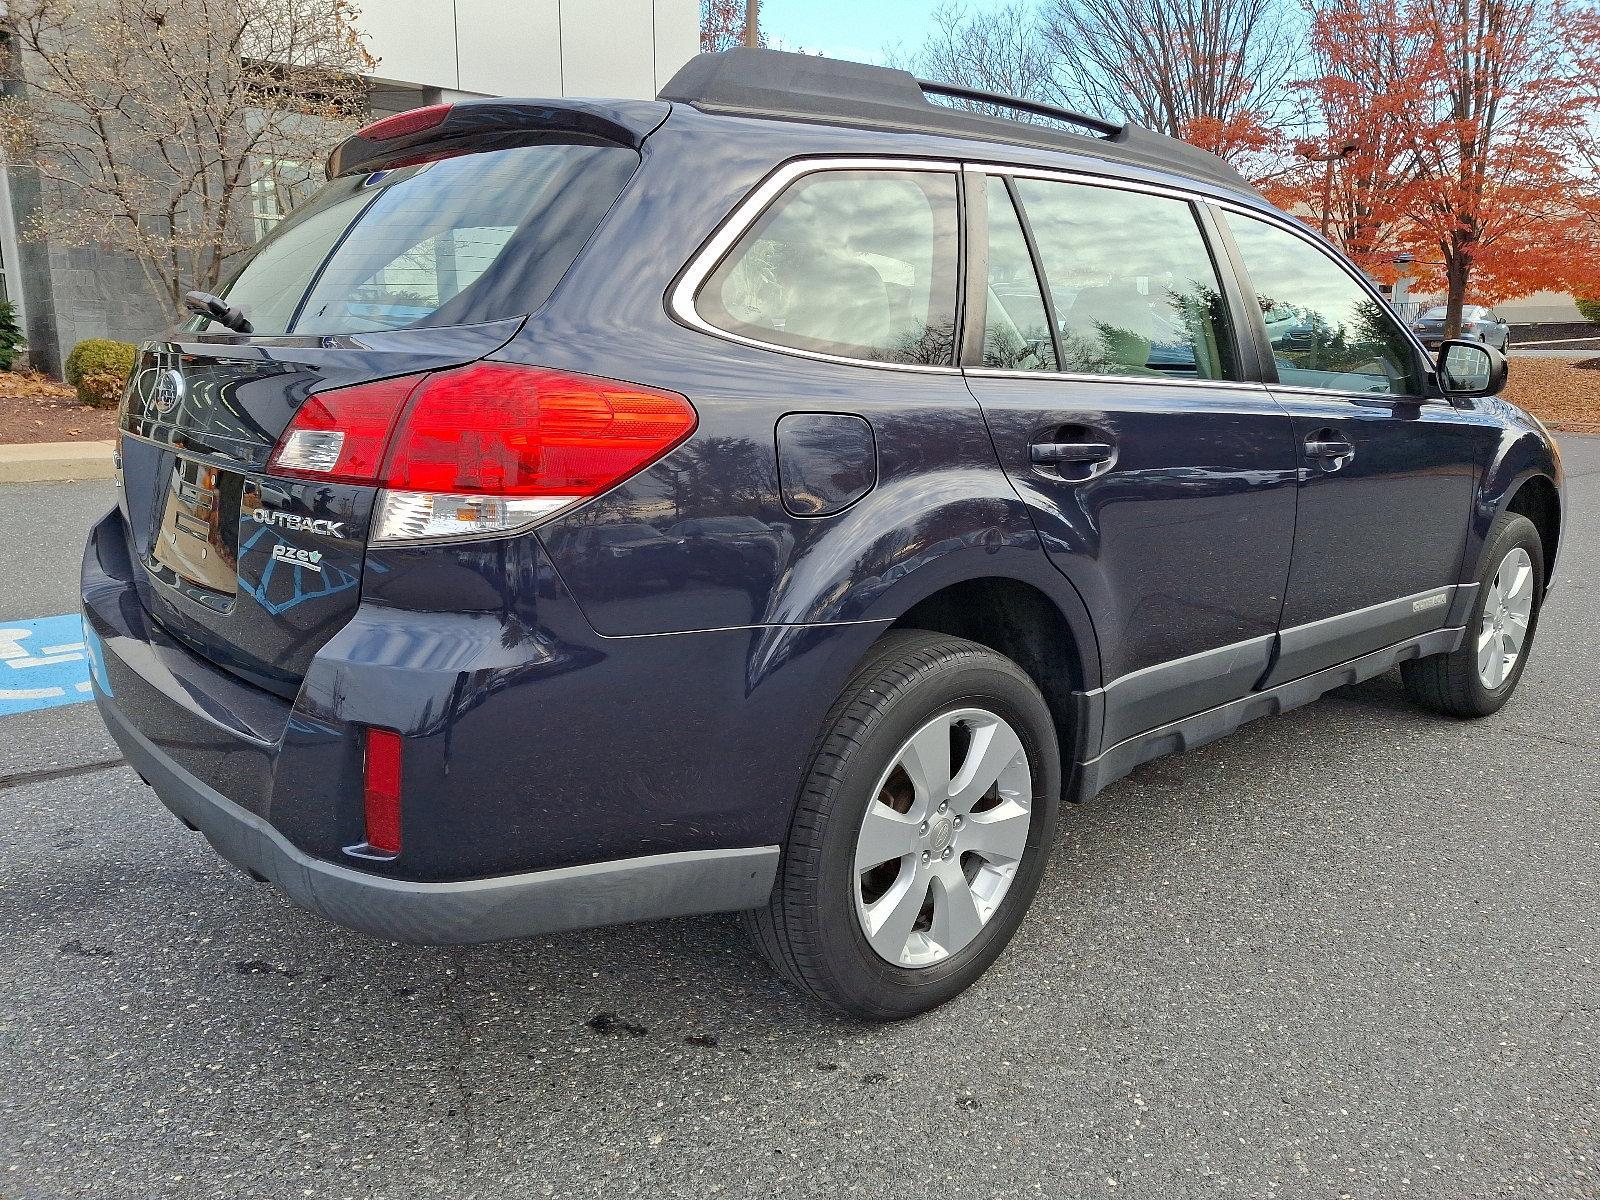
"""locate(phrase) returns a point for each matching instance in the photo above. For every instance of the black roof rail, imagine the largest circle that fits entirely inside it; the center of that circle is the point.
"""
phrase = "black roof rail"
(955, 91)
(752, 82)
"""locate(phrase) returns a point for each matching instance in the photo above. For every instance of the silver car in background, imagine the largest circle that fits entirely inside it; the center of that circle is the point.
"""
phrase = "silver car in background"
(1478, 322)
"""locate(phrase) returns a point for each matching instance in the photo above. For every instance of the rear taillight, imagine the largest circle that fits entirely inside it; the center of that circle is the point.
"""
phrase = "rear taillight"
(341, 436)
(481, 449)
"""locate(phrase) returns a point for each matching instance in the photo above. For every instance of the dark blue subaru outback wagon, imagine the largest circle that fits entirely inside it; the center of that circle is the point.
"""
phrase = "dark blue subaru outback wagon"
(776, 497)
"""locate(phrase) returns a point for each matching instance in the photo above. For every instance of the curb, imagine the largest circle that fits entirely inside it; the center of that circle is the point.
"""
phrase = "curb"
(55, 462)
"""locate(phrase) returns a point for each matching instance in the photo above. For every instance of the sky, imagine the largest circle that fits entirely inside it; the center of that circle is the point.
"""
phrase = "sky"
(853, 29)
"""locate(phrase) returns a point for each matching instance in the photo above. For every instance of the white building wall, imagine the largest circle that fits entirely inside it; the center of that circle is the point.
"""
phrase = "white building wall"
(618, 48)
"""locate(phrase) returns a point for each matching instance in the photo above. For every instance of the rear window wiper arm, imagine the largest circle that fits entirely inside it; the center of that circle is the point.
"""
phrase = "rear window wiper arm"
(215, 308)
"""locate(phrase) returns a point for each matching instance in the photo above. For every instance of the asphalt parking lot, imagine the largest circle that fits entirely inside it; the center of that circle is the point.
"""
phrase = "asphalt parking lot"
(1348, 952)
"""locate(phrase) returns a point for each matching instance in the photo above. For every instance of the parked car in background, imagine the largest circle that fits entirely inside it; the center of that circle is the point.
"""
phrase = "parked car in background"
(777, 512)
(1294, 328)
(1479, 323)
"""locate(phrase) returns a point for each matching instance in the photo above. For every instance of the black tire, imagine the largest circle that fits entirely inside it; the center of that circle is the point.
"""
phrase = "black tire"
(1450, 683)
(809, 931)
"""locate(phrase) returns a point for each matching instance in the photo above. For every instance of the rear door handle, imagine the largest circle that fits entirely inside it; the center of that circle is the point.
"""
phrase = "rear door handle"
(1074, 452)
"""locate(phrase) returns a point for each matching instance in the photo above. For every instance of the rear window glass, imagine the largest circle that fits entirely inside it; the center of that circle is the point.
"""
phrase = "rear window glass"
(860, 264)
(456, 241)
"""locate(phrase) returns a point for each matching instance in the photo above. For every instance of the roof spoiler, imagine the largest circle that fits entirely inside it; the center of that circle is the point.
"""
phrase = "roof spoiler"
(473, 125)
(801, 87)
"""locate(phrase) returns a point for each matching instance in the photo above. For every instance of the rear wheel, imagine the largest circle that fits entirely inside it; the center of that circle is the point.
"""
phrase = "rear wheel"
(921, 832)
(1479, 677)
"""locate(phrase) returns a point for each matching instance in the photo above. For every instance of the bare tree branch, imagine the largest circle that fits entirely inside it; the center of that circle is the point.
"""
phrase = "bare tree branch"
(150, 118)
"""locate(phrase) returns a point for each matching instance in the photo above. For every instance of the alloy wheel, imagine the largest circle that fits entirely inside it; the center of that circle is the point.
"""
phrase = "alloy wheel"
(1506, 612)
(942, 837)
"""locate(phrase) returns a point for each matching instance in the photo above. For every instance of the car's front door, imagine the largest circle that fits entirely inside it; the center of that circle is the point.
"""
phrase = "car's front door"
(1386, 472)
(1161, 481)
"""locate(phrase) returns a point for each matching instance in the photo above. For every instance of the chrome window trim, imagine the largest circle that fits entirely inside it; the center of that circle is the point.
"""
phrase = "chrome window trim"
(1092, 179)
(1225, 385)
(681, 297)
(1291, 390)
(681, 302)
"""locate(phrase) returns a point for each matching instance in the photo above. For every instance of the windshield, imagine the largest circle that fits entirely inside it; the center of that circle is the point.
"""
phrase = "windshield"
(455, 241)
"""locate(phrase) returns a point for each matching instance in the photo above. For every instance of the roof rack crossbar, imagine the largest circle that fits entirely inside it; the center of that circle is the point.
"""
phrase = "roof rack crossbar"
(956, 91)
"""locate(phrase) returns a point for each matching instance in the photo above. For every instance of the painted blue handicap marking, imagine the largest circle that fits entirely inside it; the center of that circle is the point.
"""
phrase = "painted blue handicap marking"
(43, 663)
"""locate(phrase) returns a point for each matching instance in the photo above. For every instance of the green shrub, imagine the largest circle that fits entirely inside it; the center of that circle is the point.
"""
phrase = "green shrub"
(1589, 310)
(107, 363)
(11, 339)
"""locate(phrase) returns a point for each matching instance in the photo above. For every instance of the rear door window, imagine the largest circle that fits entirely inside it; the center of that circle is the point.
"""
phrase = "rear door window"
(456, 241)
(859, 264)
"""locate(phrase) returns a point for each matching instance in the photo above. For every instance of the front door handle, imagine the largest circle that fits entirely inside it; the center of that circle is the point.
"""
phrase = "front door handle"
(1333, 450)
(1049, 453)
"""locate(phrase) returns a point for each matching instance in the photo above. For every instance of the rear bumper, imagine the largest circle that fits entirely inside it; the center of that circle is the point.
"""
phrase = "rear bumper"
(520, 846)
(474, 910)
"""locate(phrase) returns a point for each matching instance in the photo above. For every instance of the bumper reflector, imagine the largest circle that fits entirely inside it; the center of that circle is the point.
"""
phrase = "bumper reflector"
(383, 790)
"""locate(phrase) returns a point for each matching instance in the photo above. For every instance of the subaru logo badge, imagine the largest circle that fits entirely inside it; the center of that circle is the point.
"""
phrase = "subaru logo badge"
(169, 391)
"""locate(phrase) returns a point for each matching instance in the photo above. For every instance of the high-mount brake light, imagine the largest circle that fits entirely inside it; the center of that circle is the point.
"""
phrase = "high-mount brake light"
(402, 124)
(481, 449)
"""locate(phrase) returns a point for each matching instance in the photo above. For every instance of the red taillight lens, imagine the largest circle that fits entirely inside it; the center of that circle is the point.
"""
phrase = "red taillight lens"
(490, 429)
(383, 790)
(503, 430)
(399, 125)
(341, 436)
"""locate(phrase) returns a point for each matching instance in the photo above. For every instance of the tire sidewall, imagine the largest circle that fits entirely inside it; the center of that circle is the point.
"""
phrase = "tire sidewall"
(857, 969)
(1514, 533)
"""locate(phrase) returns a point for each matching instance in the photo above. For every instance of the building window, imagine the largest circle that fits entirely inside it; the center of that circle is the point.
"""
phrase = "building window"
(277, 186)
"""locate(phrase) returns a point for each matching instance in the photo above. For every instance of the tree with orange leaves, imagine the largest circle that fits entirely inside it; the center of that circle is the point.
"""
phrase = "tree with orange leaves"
(1500, 188)
(1469, 121)
(1356, 172)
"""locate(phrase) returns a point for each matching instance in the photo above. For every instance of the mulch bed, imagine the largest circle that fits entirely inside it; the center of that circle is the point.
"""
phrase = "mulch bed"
(1564, 331)
(35, 408)
(1564, 394)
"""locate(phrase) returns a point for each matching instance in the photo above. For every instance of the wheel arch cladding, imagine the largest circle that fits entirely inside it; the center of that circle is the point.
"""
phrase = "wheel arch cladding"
(1523, 475)
(1537, 499)
(1019, 620)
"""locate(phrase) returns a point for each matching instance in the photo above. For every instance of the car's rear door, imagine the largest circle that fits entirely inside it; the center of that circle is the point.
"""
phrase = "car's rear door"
(1386, 471)
(1159, 476)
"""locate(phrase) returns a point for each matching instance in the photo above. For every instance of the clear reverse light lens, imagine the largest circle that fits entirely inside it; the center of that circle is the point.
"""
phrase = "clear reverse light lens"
(420, 516)
(310, 450)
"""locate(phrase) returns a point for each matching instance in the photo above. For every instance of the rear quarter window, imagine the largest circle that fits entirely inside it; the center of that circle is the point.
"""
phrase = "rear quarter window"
(857, 264)
(455, 241)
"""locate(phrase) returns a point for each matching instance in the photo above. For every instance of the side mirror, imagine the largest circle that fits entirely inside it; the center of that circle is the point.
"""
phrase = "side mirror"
(1471, 369)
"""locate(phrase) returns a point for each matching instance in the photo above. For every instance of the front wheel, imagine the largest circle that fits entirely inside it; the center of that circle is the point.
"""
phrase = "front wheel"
(1479, 677)
(921, 833)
